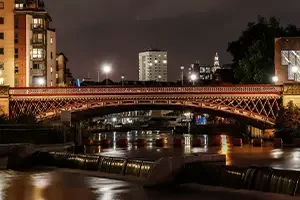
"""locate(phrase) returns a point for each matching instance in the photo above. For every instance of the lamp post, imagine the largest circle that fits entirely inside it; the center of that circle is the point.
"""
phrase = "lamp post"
(295, 70)
(106, 69)
(275, 79)
(193, 78)
(159, 78)
(41, 82)
(122, 79)
(182, 68)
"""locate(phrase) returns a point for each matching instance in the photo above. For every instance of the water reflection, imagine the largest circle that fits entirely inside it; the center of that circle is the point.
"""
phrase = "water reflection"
(244, 155)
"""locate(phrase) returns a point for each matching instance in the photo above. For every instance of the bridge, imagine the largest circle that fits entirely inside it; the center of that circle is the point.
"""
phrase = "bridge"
(259, 103)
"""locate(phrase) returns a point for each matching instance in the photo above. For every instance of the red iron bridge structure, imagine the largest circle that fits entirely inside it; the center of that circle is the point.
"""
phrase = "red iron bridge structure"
(256, 103)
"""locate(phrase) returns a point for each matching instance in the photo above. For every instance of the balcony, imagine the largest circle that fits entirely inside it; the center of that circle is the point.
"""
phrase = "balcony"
(36, 72)
(37, 42)
(38, 58)
(37, 27)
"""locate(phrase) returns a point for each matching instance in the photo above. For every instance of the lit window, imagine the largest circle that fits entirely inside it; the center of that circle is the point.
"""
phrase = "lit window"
(165, 61)
(155, 61)
(37, 23)
(51, 69)
(19, 6)
(51, 83)
(150, 64)
(56, 75)
(1, 81)
(37, 53)
(51, 40)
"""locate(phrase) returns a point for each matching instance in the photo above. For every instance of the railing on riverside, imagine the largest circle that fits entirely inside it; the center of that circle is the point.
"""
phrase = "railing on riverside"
(239, 89)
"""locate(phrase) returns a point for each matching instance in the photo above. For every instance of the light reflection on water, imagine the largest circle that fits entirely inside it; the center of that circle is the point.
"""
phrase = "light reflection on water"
(244, 155)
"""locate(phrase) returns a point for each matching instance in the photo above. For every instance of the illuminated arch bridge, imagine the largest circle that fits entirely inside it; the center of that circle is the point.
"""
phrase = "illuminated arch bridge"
(259, 103)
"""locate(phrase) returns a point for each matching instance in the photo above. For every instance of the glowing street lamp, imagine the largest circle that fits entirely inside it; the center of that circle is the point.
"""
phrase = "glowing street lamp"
(122, 78)
(193, 78)
(295, 70)
(41, 81)
(275, 79)
(106, 69)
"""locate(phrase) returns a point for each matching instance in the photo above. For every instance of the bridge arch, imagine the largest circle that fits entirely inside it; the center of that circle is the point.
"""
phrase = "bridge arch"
(254, 107)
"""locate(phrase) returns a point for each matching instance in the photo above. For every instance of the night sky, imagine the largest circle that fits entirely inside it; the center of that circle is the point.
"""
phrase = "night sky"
(92, 32)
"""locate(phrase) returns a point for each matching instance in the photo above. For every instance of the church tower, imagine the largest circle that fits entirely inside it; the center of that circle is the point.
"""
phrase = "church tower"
(216, 63)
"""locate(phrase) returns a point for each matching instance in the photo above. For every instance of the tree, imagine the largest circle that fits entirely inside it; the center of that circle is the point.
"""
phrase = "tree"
(253, 51)
(288, 121)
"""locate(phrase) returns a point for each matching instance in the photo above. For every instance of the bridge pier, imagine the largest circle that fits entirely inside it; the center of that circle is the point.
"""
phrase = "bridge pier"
(4, 100)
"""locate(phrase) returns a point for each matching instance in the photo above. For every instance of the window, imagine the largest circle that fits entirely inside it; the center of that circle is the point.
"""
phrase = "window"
(19, 6)
(1, 5)
(37, 53)
(51, 69)
(1, 68)
(1, 20)
(37, 38)
(16, 22)
(36, 66)
(16, 53)
(1, 36)
(16, 38)
(16, 82)
(1, 51)
(51, 40)
(37, 23)
(1, 81)
(51, 55)
(16, 69)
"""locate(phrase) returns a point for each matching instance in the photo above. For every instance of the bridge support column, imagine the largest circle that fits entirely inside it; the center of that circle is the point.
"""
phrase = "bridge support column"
(4, 100)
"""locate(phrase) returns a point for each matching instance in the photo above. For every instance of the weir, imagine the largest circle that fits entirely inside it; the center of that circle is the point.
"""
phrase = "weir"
(203, 169)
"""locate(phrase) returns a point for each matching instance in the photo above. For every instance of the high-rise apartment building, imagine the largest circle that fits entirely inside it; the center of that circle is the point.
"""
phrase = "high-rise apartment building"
(153, 65)
(27, 44)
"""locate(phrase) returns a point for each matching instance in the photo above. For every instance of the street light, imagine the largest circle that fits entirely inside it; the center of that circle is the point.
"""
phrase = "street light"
(41, 81)
(159, 78)
(122, 79)
(182, 68)
(106, 69)
(275, 79)
(193, 78)
(295, 70)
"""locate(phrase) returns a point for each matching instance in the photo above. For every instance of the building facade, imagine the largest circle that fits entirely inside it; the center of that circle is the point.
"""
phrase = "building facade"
(27, 44)
(287, 60)
(153, 65)
(61, 68)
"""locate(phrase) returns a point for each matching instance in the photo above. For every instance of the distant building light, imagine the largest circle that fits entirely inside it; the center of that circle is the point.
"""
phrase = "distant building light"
(165, 61)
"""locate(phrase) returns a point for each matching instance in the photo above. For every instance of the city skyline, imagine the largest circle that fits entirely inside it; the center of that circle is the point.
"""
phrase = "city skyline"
(117, 32)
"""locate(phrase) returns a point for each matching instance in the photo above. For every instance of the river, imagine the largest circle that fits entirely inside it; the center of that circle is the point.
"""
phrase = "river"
(283, 158)
(54, 184)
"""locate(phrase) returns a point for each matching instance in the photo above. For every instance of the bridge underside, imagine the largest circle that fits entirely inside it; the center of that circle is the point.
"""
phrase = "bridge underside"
(99, 112)
(256, 109)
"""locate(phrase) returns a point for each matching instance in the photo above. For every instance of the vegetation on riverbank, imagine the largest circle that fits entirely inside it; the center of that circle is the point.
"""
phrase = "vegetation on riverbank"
(288, 122)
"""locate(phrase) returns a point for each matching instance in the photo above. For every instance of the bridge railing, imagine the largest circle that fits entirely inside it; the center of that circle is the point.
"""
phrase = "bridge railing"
(252, 89)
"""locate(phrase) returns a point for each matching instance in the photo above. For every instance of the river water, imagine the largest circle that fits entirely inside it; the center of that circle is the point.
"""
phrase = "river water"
(55, 184)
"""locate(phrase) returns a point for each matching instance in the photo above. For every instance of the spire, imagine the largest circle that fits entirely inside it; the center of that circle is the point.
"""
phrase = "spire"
(216, 62)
